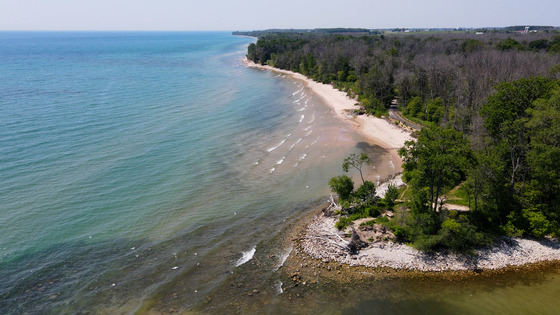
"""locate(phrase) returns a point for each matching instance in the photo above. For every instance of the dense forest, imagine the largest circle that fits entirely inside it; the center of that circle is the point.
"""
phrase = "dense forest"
(489, 105)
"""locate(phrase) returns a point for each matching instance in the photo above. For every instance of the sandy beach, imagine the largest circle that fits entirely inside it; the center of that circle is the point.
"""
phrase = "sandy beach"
(378, 131)
(322, 241)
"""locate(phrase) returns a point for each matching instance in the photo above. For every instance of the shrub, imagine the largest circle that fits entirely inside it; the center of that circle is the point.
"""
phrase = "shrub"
(461, 237)
(342, 185)
(400, 233)
(456, 236)
(427, 243)
(366, 192)
(370, 222)
(342, 223)
(373, 211)
(391, 195)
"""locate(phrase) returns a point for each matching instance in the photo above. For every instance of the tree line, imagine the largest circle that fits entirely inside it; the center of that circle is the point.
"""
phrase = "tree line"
(490, 105)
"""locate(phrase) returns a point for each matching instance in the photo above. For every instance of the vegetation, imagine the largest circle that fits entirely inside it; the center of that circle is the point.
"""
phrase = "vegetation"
(490, 107)
(391, 195)
(356, 162)
(343, 186)
(443, 78)
(435, 163)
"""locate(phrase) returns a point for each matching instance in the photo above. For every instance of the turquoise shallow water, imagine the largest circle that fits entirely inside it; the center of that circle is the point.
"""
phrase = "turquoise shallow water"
(144, 170)
(125, 154)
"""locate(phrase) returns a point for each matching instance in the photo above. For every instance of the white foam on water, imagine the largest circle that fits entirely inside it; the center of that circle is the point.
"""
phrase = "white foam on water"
(316, 140)
(301, 109)
(281, 161)
(246, 256)
(271, 170)
(308, 133)
(312, 118)
(279, 287)
(283, 258)
(302, 157)
(298, 91)
(302, 97)
(275, 147)
(307, 128)
(293, 145)
(301, 118)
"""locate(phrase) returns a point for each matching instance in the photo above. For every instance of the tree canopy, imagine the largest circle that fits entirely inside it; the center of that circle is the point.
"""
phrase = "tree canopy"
(436, 162)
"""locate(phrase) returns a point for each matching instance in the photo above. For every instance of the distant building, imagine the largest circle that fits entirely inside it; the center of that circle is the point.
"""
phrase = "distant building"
(525, 31)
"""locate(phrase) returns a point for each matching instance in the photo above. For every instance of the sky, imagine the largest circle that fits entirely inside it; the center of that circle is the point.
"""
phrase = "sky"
(231, 15)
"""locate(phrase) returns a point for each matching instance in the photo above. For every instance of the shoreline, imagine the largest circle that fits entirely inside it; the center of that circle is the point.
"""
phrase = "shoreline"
(376, 130)
(310, 267)
(323, 242)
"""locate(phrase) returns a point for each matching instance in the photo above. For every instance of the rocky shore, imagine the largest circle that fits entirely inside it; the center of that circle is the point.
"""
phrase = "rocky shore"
(321, 240)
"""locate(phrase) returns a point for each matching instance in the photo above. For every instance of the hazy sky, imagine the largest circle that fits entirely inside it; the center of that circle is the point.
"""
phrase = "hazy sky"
(263, 14)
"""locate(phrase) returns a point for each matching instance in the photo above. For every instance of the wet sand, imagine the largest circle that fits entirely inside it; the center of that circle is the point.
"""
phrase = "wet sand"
(376, 130)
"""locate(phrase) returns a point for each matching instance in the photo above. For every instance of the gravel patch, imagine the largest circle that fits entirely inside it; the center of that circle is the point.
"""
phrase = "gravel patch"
(323, 241)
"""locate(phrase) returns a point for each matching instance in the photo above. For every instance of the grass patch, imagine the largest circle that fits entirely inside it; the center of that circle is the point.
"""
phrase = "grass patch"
(459, 196)
(343, 223)
(405, 193)
(370, 223)
(362, 212)
(418, 121)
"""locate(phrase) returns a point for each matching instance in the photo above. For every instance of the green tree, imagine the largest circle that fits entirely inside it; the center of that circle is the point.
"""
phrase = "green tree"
(436, 162)
(539, 44)
(505, 116)
(357, 162)
(470, 45)
(555, 45)
(414, 107)
(366, 192)
(391, 195)
(523, 155)
(510, 43)
(541, 201)
(308, 65)
(343, 186)
(434, 110)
